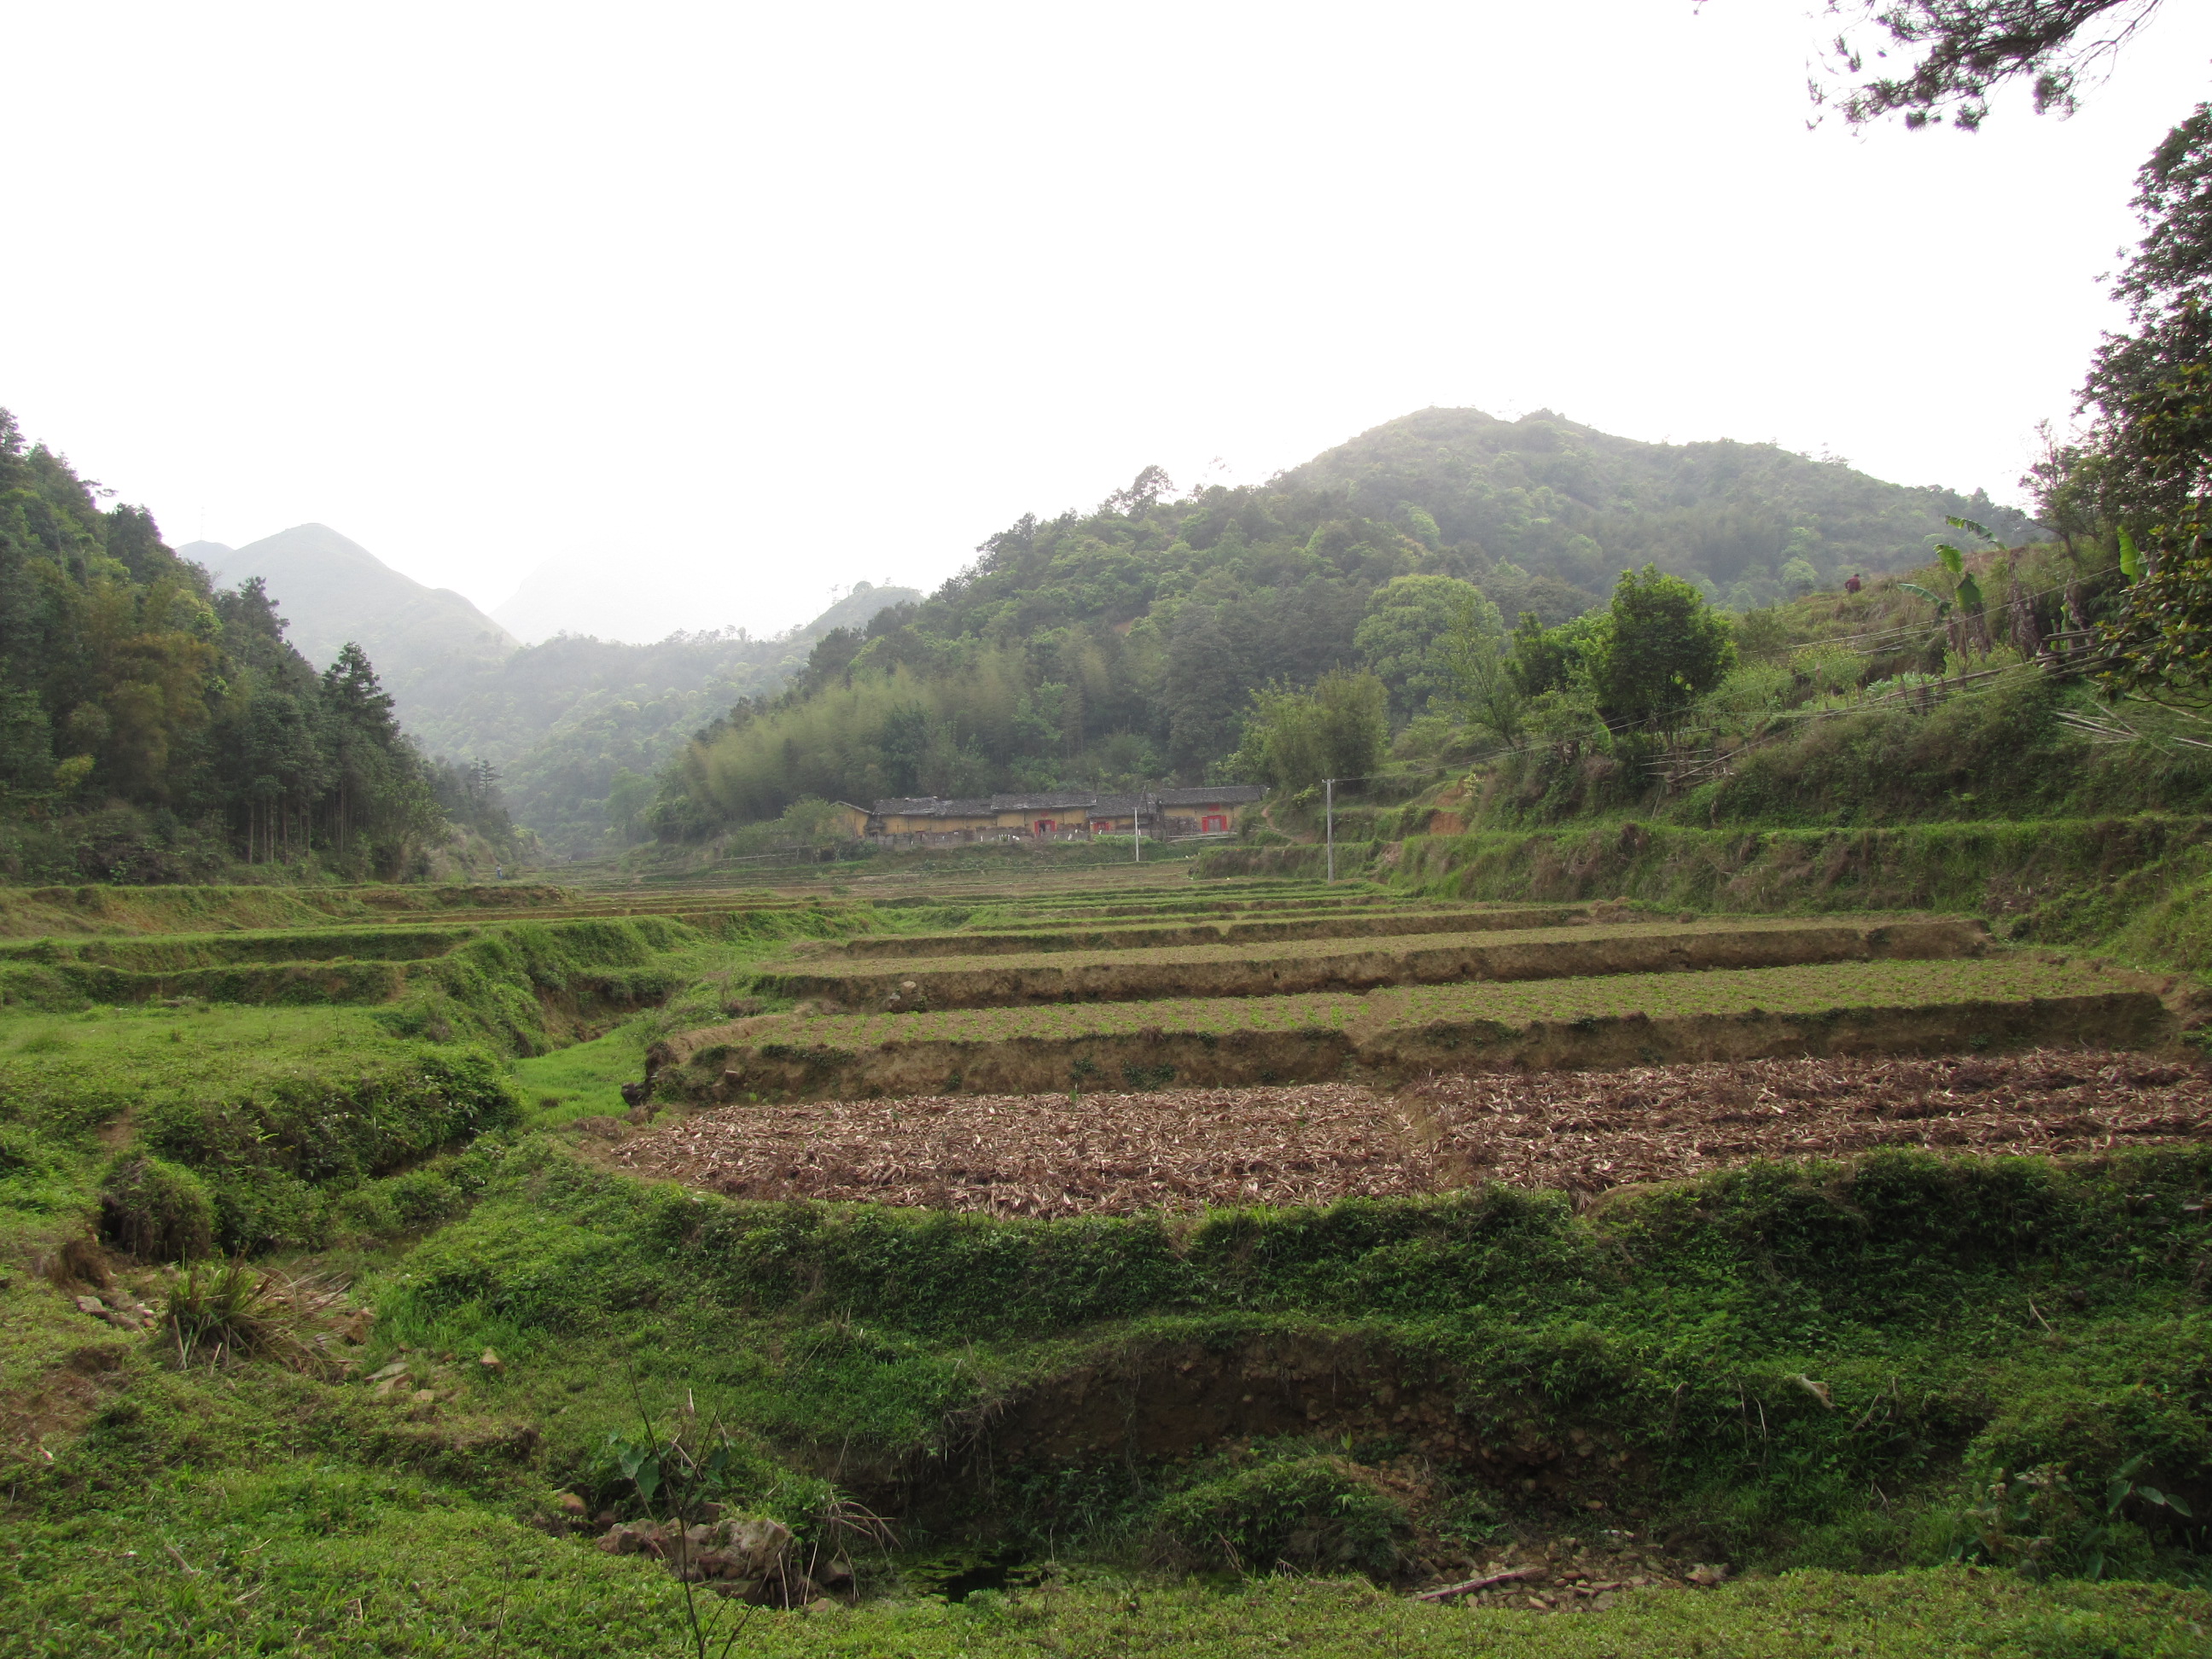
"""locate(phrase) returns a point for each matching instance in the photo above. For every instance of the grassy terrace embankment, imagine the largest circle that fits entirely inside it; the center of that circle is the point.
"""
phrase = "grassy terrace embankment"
(1061, 933)
(1251, 1381)
(1380, 955)
(1625, 1019)
(33, 912)
(2139, 887)
(629, 957)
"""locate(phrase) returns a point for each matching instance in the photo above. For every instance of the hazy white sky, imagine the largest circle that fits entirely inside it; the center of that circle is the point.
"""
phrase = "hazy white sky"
(756, 300)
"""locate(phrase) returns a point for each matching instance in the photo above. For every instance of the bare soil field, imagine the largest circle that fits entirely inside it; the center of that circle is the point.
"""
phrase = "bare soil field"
(1583, 1133)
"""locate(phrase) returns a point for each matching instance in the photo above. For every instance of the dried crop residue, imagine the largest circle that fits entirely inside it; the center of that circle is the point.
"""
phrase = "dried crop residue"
(1109, 1154)
(1117, 1154)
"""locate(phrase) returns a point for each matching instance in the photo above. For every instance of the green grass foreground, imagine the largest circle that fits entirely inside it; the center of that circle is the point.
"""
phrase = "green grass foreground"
(388, 1579)
(1826, 1375)
(1961, 1319)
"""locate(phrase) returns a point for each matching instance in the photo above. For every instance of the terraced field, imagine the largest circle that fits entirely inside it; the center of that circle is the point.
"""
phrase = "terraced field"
(1251, 921)
(1844, 1000)
(1522, 948)
(1315, 1144)
(1356, 1313)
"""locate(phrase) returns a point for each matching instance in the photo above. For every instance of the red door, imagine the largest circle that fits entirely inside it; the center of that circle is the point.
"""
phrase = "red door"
(1045, 827)
(1215, 823)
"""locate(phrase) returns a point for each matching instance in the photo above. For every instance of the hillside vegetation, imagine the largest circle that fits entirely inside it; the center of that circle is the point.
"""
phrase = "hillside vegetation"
(1126, 644)
(577, 728)
(570, 730)
(153, 727)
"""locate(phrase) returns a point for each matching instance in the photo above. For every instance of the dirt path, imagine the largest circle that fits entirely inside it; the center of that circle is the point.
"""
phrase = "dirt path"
(1115, 1154)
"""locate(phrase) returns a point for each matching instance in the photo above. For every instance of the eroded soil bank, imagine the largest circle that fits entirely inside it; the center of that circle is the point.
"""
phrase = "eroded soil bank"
(1119, 1154)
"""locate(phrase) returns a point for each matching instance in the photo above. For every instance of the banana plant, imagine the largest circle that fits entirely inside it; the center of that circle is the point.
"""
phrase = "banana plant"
(1965, 589)
(1942, 605)
(2131, 558)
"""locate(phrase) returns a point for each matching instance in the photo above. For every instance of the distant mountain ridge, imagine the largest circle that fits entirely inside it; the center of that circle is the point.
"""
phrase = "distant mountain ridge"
(564, 720)
(570, 722)
(331, 590)
(1567, 502)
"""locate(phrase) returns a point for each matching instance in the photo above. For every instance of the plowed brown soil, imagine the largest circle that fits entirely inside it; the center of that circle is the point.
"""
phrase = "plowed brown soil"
(1118, 1154)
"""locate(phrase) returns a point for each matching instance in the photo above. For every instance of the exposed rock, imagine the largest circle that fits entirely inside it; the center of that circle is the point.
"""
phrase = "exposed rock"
(123, 1316)
(747, 1556)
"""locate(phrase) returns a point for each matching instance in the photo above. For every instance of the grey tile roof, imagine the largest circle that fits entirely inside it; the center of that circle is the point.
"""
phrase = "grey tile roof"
(1220, 794)
(1067, 801)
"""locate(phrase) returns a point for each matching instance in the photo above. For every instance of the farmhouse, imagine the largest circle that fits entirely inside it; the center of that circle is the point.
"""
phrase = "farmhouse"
(1060, 815)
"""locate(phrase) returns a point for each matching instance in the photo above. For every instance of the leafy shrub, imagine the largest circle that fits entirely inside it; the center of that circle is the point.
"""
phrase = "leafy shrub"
(2035, 1522)
(259, 1208)
(420, 1198)
(1310, 1512)
(337, 1135)
(157, 1210)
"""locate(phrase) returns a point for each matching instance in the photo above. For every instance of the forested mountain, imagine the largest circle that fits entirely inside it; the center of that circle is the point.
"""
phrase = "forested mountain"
(574, 728)
(1566, 502)
(1126, 643)
(577, 728)
(331, 590)
(154, 727)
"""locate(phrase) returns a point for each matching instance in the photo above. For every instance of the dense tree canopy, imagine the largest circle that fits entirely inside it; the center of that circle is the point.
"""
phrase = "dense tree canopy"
(1294, 740)
(153, 728)
(1661, 649)
(1145, 640)
(2140, 475)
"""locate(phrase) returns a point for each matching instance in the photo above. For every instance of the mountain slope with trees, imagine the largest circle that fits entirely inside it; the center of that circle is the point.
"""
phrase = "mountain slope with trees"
(1748, 523)
(576, 727)
(568, 732)
(333, 591)
(153, 727)
(1126, 644)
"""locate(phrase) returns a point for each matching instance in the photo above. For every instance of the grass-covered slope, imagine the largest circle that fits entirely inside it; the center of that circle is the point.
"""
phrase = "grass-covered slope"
(1826, 1368)
(407, 1441)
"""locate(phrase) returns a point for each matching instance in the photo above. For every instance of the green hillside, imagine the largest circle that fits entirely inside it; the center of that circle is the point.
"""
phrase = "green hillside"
(1126, 644)
(333, 590)
(577, 726)
(1565, 502)
(154, 728)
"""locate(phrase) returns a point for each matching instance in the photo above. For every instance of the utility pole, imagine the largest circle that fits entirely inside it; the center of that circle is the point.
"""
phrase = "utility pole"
(1137, 824)
(1328, 816)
